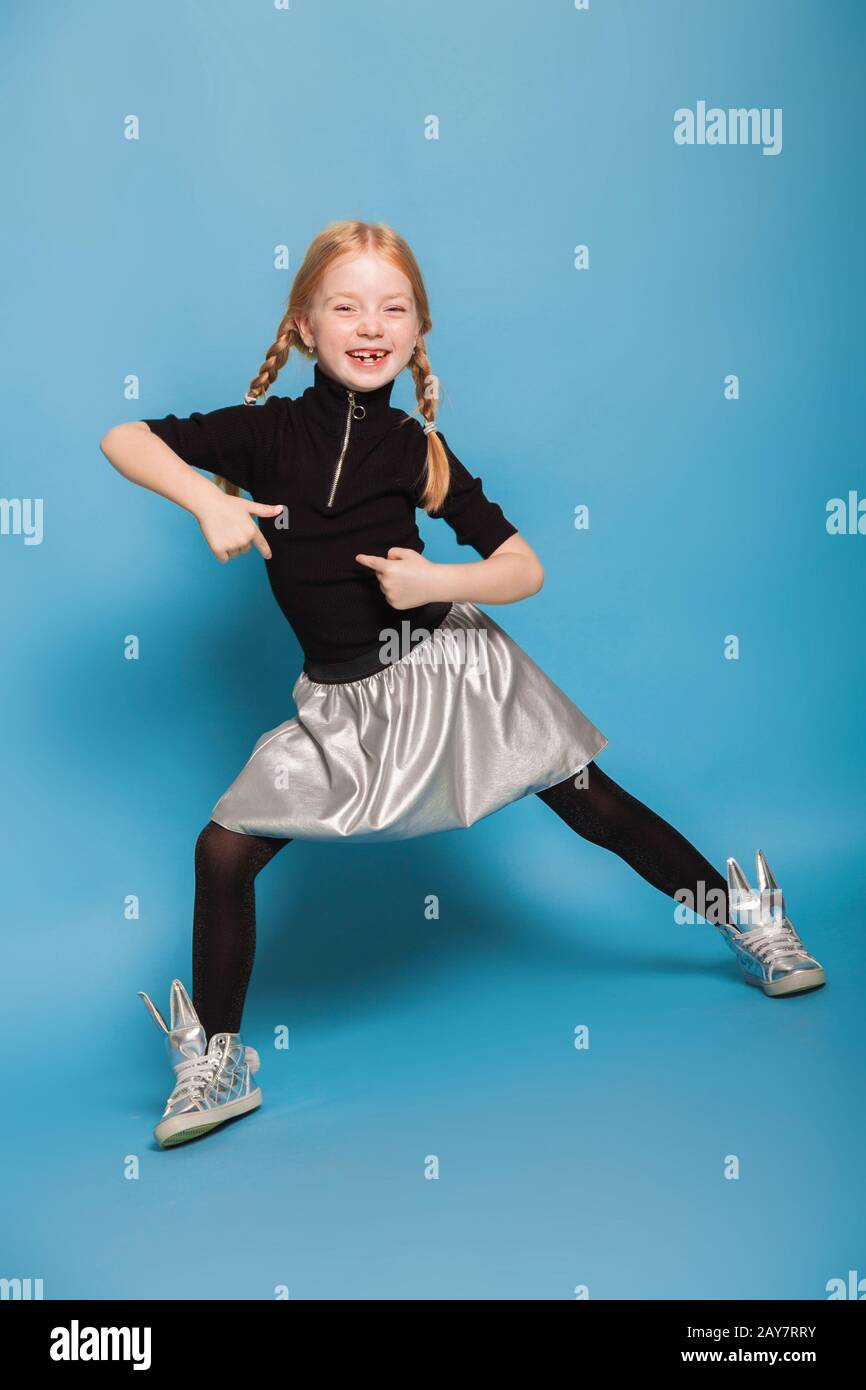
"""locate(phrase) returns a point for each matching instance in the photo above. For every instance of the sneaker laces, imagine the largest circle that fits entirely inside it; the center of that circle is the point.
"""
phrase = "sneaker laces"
(193, 1076)
(772, 940)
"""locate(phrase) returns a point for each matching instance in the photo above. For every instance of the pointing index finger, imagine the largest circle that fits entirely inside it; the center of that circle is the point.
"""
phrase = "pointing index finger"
(264, 508)
(261, 544)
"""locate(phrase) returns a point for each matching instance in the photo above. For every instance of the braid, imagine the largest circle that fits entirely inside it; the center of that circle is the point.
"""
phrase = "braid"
(275, 359)
(426, 394)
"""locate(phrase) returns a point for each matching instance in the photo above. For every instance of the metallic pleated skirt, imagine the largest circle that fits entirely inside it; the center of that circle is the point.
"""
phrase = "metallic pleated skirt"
(459, 726)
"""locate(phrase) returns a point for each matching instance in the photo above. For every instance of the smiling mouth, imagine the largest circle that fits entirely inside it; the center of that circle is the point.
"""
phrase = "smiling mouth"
(368, 357)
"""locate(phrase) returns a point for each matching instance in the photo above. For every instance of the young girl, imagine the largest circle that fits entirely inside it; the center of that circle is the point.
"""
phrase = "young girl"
(416, 711)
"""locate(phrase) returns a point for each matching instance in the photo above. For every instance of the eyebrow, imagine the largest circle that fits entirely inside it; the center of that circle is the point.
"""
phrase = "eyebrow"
(346, 295)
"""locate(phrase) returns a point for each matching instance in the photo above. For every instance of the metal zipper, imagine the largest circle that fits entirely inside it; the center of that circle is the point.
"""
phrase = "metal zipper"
(351, 414)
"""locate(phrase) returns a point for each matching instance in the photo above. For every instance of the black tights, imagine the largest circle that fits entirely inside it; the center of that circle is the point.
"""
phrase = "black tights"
(224, 922)
(226, 865)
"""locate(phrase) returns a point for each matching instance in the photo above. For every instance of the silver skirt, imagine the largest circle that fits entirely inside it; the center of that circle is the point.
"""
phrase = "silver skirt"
(462, 724)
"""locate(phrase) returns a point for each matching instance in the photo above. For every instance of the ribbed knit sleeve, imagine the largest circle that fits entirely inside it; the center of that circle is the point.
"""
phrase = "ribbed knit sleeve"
(237, 442)
(475, 519)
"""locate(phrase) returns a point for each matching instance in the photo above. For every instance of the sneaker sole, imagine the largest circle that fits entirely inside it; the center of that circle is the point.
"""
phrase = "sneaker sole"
(789, 984)
(177, 1128)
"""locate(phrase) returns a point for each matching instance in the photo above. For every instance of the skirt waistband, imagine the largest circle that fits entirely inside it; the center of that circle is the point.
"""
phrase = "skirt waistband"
(368, 663)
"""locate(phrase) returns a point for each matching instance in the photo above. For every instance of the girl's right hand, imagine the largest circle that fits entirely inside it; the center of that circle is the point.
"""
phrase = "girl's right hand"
(228, 527)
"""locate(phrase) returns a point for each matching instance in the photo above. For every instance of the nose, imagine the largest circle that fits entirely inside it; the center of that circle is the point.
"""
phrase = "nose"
(370, 327)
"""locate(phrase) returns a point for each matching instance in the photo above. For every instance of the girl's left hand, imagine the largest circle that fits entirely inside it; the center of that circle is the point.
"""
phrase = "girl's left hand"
(405, 577)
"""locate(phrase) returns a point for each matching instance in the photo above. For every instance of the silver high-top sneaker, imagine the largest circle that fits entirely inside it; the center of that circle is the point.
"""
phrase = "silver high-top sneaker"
(213, 1082)
(768, 949)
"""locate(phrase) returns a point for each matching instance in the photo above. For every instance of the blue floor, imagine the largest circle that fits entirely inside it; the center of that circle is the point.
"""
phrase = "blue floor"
(432, 1132)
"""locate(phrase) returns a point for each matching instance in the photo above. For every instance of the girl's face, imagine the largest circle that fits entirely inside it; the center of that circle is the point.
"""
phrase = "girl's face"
(364, 305)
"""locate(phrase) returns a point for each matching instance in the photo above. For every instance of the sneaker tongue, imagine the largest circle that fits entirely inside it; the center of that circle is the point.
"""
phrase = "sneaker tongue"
(185, 1042)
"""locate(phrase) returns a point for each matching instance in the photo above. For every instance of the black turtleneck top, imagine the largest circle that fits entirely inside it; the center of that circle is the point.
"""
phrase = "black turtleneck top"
(351, 475)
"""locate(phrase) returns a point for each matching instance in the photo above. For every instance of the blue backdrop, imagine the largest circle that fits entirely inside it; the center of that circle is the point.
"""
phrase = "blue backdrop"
(694, 378)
